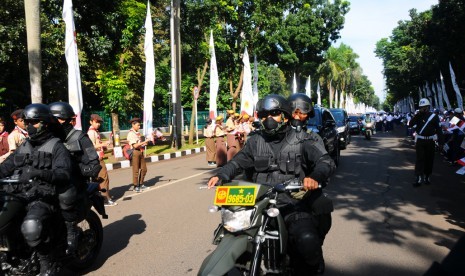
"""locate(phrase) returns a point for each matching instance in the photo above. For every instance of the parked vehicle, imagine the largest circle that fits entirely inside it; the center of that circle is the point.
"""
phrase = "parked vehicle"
(252, 237)
(342, 122)
(324, 124)
(354, 126)
(17, 258)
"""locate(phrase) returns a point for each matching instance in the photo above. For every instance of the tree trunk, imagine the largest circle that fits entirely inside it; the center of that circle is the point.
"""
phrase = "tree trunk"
(115, 129)
(194, 110)
(235, 94)
(32, 10)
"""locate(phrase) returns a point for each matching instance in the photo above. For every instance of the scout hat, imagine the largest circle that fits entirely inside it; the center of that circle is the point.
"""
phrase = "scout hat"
(96, 117)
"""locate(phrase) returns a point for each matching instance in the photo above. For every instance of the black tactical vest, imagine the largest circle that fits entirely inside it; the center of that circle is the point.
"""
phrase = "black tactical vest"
(274, 168)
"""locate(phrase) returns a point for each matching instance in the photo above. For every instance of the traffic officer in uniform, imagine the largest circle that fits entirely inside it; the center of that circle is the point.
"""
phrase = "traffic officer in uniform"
(276, 154)
(428, 130)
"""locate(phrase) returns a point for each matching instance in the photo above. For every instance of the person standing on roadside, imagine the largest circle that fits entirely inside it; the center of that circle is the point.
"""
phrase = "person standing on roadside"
(4, 149)
(219, 134)
(210, 142)
(19, 133)
(428, 130)
(94, 135)
(139, 166)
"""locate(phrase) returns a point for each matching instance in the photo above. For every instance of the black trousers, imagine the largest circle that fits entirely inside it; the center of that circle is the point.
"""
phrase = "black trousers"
(425, 157)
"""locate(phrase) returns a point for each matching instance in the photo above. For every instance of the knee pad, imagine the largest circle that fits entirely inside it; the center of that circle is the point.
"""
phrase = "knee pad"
(308, 244)
(68, 198)
(32, 231)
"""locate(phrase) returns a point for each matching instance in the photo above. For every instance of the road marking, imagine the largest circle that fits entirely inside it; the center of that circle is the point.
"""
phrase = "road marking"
(128, 197)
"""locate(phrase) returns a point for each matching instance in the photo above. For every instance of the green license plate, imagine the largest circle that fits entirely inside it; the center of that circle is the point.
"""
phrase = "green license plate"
(235, 195)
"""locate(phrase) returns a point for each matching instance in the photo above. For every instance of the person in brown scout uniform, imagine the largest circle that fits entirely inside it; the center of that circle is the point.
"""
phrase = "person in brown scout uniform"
(19, 133)
(210, 142)
(220, 145)
(94, 136)
(139, 167)
(4, 149)
(234, 137)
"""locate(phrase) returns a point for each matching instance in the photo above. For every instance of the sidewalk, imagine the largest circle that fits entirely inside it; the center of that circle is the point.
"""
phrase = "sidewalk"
(155, 158)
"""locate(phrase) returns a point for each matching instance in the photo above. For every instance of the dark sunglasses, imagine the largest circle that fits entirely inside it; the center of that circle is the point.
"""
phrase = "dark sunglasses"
(266, 113)
(31, 121)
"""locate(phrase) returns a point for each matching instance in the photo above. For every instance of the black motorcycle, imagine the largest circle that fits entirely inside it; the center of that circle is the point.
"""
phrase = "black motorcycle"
(17, 258)
(252, 237)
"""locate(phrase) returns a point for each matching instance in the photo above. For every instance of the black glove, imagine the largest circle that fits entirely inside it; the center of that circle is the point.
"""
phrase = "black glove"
(28, 174)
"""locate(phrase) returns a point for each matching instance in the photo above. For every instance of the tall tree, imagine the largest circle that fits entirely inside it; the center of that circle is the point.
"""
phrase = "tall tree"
(32, 10)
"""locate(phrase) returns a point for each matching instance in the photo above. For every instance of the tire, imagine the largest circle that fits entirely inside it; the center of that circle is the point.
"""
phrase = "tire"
(90, 242)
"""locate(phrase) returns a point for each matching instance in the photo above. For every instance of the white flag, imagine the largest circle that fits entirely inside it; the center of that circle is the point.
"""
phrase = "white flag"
(247, 98)
(308, 88)
(318, 93)
(444, 93)
(336, 99)
(456, 88)
(214, 81)
(149, 76)
(255, 83)
(438, 94)
(294, 85)
(71, 54)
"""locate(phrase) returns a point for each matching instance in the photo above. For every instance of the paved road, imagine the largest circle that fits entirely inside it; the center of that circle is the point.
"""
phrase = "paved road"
(381, 225)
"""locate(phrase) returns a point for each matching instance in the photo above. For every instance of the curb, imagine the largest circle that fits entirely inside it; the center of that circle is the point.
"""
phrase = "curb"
(155, 158)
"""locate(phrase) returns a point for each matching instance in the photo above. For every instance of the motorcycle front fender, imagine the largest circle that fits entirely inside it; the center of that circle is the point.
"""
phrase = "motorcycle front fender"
(224, 257)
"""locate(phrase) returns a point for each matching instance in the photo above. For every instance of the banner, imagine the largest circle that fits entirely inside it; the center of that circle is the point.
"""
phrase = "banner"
(444, 93)
(214, 81)
(71, 54)
(255, 83)
(438, 92)
(308, 85)
(247, 98)
(294, 85)
(318, 93)
(456, 88)
(149, 77)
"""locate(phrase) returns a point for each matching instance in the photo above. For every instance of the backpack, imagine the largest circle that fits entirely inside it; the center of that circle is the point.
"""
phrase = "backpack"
(127, 151)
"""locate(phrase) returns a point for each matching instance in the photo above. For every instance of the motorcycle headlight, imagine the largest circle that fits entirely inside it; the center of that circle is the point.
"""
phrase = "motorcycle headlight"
(369, 124)
(341, 129)
(238, 220)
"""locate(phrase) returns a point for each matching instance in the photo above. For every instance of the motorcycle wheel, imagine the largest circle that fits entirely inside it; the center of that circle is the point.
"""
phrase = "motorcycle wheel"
(90, 242)
(368, 136)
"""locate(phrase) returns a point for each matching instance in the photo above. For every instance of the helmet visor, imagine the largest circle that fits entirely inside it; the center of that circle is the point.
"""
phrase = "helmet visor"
(304, 107)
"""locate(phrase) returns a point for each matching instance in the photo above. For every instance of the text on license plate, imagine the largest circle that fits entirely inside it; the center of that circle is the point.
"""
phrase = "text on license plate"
(235, 195)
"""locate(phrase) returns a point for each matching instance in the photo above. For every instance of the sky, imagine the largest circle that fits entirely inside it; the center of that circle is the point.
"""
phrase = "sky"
(367, 22)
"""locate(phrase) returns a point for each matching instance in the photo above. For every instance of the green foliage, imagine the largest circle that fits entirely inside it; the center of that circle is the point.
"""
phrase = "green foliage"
(419, 48)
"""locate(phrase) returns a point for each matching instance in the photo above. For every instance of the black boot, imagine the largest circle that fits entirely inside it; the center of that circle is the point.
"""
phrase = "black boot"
(418, 181)
(321, 266)
(72, 237)
(47, 267)
(426, 181)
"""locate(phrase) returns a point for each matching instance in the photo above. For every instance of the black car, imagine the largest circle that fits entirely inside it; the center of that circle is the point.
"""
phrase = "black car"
(324, 124)
(342, 122)
(354, 126)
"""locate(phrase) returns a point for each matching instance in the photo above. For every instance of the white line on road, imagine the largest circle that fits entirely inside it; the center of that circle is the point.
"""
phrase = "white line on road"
(162, 185)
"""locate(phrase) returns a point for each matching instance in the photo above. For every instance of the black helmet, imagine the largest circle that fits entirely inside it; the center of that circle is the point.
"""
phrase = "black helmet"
(37, 111)
(273, 102)
(302, 102)
(62, 110)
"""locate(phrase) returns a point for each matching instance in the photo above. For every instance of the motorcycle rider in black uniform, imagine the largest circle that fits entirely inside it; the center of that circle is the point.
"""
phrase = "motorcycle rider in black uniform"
(302, 110)
(277, 153)
(44, 167)
(85, 165)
